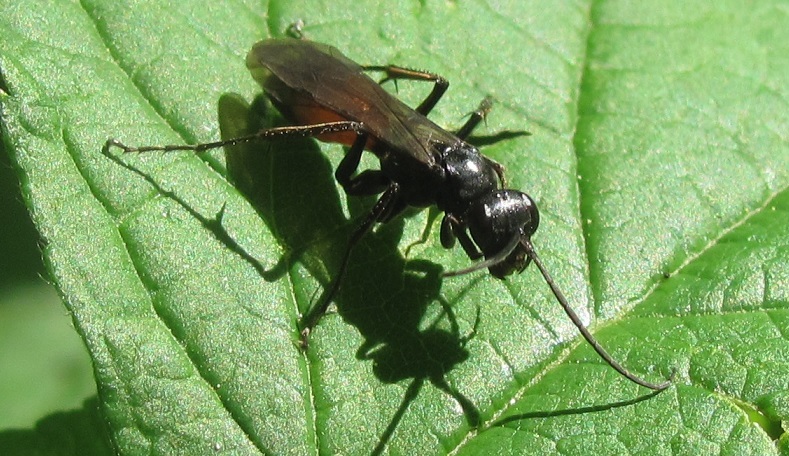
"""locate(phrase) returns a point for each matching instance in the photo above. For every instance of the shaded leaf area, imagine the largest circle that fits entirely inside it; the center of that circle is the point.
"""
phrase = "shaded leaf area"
(660, 169)
(76, 432)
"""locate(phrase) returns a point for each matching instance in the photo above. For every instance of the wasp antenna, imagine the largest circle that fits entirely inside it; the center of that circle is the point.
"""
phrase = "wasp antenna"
(585, 332)
(495, 259)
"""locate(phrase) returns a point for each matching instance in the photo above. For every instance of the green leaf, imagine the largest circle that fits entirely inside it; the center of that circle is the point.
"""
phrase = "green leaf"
(659, 157)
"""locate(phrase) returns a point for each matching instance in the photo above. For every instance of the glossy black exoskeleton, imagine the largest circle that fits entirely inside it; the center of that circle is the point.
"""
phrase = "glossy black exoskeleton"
(326, 95)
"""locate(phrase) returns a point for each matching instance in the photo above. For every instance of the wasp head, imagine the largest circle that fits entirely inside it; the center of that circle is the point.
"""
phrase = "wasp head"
(501, 223)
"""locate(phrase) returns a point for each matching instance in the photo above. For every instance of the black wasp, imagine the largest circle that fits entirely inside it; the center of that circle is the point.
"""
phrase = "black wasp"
(327, 96)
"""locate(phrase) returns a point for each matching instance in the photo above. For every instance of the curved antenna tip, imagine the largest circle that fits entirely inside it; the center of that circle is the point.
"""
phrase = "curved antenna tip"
(557, 293)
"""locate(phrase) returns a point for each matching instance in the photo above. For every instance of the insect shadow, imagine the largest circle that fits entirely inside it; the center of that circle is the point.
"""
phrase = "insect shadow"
(384, 295)
(513, 420)
(291, 185)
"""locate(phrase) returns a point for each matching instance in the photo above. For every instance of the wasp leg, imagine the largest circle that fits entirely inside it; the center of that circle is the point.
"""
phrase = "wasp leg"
(389, 205)
(299, 131)
(452, 229)
(499, 169)
(369, 182)
(465, 131)
(477, 116)
(393, 73)
(382, 210)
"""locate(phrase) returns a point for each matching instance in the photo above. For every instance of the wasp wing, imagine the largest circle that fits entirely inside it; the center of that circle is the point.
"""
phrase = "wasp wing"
(313, 82)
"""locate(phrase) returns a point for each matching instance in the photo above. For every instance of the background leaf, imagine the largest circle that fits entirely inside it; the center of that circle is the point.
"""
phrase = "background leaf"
(658, 158)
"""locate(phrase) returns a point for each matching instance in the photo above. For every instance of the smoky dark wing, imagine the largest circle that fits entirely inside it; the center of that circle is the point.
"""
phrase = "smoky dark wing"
(336, 82)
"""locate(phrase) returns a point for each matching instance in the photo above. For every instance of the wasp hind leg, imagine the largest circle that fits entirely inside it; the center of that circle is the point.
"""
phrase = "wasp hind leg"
(395, 73)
